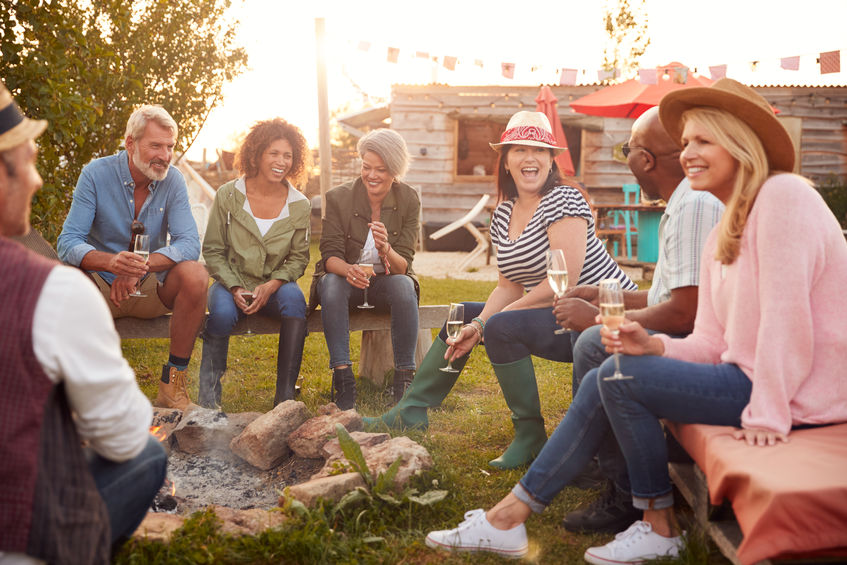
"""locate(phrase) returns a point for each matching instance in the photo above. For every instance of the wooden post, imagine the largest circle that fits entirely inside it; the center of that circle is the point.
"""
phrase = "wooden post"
(324, 149)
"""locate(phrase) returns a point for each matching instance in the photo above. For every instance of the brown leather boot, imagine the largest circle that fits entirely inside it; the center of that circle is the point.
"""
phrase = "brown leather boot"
(174, 392)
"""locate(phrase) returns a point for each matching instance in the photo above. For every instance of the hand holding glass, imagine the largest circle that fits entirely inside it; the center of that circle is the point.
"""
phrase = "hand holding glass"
(366, 263)
(612, 312)
(455, 322)
(142, 249)
(248, 299)
(557, 276)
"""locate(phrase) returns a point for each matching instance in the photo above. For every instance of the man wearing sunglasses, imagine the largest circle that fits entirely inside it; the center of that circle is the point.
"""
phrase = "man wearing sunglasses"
(668, 307)
(136, 192)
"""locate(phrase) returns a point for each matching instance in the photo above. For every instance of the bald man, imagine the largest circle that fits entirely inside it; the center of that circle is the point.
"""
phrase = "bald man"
(668, 307)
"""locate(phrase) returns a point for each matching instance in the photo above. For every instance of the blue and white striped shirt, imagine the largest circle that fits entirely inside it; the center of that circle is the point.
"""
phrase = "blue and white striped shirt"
(524, 260)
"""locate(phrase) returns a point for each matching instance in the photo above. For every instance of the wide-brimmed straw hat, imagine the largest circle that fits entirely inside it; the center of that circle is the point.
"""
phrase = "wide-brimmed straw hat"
(528, 128)
(742, 102)
(15, 128)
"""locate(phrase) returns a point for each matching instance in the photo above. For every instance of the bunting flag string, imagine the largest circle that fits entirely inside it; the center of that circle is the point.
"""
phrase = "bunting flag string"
(828, 62)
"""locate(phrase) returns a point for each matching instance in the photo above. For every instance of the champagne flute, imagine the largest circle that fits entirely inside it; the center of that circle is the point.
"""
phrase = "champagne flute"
(142, 249)
(248, 298)
(366, 263)
(557, 276)
(455, 321)
(612, 311)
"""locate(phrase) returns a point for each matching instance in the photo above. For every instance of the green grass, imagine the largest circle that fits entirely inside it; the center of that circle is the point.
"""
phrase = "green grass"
(470, 428)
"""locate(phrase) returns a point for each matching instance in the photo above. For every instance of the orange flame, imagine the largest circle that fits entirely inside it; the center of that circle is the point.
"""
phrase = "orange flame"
(173, 486)
(158, 433)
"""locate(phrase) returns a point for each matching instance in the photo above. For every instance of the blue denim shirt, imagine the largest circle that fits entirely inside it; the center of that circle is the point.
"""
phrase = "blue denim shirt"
(103, 209)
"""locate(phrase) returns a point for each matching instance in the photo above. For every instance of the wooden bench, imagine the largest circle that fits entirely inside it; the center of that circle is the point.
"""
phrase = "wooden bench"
(377, 356)
(787, 502)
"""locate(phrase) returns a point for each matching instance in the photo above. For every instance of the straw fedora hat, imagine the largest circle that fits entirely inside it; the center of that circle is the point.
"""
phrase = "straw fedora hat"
(15, 128)
(742, 102)
(528, 128)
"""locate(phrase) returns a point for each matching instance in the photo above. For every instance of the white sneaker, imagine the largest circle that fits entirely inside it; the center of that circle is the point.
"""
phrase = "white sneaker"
(637, 544)
(477, 534)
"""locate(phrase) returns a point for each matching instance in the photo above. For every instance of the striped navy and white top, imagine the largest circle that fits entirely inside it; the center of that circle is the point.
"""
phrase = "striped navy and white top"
(524, 260)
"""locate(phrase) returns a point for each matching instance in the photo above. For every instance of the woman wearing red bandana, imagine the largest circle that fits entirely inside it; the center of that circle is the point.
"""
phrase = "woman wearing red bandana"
(536, 212)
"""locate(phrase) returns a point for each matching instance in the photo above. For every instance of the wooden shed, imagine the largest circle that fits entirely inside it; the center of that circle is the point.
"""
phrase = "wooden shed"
(448, 128)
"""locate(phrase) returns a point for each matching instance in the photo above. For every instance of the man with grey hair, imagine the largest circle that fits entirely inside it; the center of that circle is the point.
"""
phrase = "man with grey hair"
(135, 192)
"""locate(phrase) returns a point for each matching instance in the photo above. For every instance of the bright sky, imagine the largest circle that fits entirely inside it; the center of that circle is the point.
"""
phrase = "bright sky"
(548, 34)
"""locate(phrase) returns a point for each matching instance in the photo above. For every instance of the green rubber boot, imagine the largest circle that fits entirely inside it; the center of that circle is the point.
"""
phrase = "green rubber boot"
(521, 392)
(429, 387)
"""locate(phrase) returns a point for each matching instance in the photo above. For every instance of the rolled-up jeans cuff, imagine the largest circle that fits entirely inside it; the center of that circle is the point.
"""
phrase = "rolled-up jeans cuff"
(524, 496)
(657, 503)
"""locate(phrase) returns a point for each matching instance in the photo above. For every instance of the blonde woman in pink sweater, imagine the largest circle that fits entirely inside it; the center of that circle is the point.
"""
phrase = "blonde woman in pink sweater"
(769, 345)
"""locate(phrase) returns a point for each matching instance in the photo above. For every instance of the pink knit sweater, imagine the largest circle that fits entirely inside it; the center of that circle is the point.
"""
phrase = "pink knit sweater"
(779, 311)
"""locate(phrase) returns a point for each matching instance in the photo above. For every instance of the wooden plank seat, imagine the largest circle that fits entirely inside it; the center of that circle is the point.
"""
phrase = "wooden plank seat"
(789, 501)
(377, 356)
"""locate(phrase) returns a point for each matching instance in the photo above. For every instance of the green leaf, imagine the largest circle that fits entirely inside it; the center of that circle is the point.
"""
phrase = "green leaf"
(430, 497)
(353, 452)
(353, 497)
(385, 481)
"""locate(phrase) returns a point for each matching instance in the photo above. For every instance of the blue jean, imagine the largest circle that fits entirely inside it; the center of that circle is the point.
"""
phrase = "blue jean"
(224, 314)
(663, 388)
(128, 488)
(573, 444)
(660, 388)
(589, 353)
(516, 334)
(387, 293)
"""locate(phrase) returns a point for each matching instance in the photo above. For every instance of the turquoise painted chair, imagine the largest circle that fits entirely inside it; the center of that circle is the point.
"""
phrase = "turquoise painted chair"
(626, 220)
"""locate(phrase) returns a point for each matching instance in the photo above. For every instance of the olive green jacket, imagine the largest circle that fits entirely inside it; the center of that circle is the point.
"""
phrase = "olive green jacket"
(344, 230)
(236, 254)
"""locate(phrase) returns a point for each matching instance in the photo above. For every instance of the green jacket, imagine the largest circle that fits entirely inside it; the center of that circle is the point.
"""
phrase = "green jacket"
(345, 227)
(237, 255)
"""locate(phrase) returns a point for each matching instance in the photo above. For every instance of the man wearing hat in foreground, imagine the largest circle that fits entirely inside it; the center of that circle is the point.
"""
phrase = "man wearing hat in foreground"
(63, 381)
(135, 192)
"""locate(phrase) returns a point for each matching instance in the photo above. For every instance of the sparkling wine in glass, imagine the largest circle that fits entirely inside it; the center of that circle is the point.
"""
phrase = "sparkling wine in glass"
(455, 321)
(142, 249)
(612, 312)
(248, 298)
(366, 263)
(557, 275)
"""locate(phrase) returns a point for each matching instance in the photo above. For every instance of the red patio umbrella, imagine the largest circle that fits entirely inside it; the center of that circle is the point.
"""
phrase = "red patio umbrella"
(546, 102)
(631, 98)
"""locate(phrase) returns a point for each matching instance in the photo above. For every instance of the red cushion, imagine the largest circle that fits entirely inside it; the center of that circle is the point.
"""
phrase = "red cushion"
(788, 499)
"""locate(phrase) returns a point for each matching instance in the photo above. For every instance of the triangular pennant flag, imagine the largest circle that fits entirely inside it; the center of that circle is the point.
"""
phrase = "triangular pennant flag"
(604, 75)
(450, 63)
(648, 76)
(393, 54)
(422, 55)
(568, 77)
(790, 63)
(364, 45)
(717, 72)
(508, 69)
(830, 62)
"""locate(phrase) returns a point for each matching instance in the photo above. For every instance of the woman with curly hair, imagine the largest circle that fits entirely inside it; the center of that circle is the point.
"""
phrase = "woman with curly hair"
(256, 247)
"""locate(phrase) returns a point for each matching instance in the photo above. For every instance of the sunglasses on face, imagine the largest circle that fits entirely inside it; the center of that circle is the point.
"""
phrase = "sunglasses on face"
(626, 149)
